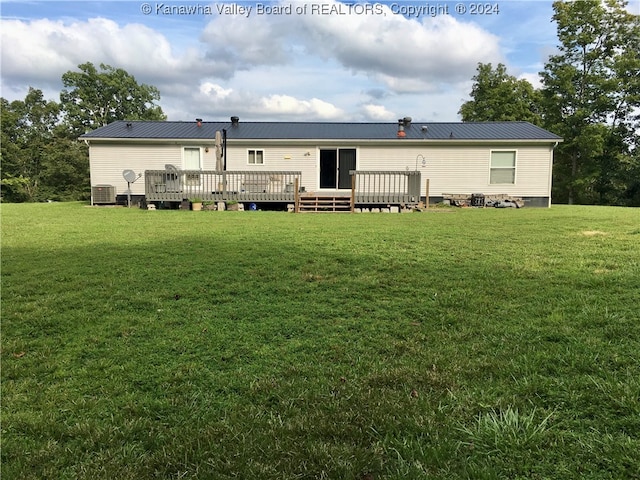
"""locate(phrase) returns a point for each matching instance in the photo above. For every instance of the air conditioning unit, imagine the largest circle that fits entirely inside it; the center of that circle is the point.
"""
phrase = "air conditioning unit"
(101, 194)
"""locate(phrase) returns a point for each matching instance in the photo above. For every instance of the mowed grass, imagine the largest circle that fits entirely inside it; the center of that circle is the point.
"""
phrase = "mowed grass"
(483, 344)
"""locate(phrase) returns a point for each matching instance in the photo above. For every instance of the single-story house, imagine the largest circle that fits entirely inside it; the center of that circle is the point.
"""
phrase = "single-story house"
(490, 158)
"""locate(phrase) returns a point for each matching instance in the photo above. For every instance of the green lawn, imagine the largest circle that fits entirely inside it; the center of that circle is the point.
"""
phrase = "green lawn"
(469, 343)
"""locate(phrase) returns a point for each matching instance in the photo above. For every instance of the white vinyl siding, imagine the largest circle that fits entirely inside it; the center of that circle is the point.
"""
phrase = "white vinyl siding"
(108, 161)
(503, 167)
(464, 169)
(460, 168)
(255, 157)
(279, 157)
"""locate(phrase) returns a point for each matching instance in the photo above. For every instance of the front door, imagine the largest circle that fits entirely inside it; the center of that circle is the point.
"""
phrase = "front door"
(335, 165)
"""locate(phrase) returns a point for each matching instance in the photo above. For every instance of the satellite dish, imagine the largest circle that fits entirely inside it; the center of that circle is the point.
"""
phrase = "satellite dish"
(130, 176)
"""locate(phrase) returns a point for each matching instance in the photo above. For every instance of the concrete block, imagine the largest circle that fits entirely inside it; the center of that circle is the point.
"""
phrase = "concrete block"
(221, 206)
(395, 209)
(357, 210)
(241, 207)
(385, 210)
(375, 210)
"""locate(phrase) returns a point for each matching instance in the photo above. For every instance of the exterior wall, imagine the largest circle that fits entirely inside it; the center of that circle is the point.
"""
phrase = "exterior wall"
(107, 161)
(465, 169)
(450, 168)
(277, 157)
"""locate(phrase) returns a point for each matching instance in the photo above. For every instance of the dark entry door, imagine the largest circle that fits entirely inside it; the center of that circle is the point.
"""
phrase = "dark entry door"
(328, 168)
(346, 162)
(335, 165)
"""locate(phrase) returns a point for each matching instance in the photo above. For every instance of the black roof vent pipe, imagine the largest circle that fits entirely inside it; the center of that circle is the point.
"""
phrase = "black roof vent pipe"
(235, 121)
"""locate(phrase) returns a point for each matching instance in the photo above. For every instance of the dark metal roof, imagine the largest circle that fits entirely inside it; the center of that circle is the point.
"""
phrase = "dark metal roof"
(321, 131)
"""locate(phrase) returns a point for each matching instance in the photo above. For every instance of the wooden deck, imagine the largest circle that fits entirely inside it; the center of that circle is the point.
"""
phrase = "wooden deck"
(207, 185)
(367, 188)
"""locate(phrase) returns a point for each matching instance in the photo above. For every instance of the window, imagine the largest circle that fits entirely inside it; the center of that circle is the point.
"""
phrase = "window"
(191, 161)
(256, 157)
(503, 167)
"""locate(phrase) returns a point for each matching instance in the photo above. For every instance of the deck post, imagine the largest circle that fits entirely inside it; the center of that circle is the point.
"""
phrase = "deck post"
(426, 198)
(296, 186)
(353, 192)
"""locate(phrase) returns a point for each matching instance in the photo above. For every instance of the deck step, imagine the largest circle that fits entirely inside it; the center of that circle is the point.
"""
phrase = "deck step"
(325, 203)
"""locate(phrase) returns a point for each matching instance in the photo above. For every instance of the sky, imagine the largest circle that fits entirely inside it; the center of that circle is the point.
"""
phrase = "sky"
(285, 60)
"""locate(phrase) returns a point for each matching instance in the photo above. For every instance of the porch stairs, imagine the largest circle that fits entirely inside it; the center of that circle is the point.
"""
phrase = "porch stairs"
(324, 203)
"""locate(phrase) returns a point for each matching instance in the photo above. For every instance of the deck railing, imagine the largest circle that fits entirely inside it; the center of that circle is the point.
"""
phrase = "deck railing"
(385, 187)
(368, 187)
(209, 185)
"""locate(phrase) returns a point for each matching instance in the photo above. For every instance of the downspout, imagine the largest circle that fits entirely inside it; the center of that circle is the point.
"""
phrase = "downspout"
(551, 171)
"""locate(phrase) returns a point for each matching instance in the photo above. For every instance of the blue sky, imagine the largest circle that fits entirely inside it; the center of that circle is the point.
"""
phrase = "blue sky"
(321, 61)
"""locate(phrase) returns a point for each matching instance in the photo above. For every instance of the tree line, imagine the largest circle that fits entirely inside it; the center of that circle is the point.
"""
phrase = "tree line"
(590, 96)
(42, 158)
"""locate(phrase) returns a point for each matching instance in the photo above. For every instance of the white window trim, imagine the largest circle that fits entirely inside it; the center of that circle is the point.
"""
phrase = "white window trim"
(192, 180)
(255, 150)
(514, 168)
(189, 147)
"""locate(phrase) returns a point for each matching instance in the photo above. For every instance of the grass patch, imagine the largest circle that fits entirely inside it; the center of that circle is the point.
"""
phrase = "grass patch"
(480, 344)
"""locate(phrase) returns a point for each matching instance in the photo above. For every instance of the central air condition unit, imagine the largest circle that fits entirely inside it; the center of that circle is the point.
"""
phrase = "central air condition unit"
(103, 194)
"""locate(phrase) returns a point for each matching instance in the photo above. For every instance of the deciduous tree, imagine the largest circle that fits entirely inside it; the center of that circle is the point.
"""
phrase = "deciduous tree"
(27, 129)
(498, 96)
(591, 97)
(41, 155)
(94, 98)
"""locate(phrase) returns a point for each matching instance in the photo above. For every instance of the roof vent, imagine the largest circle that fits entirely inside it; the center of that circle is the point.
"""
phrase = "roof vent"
(401, 132)
(129, 124)
(406, 121)
(235, 120)
(199, 122)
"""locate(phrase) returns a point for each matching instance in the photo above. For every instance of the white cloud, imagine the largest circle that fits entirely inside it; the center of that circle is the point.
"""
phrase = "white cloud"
(215, 91)
(48, 47)
(378, 113)
(396, 49)
(533, 78)
(265, 66)
(242, 42)
(293, 107)
(389, 48)
(216, 100)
